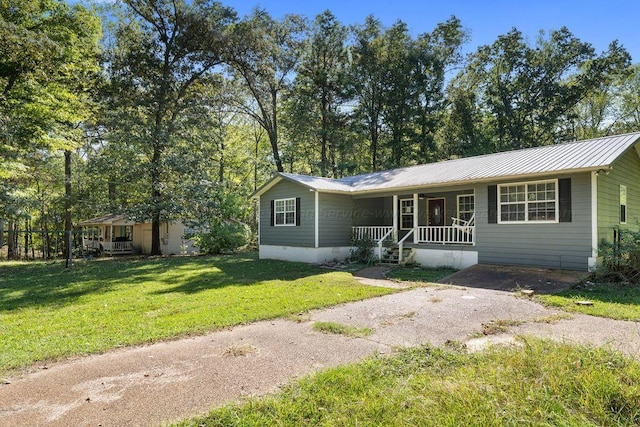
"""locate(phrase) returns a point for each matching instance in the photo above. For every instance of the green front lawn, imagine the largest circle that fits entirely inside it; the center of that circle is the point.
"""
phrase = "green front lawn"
(48, 313)
(540, 383)
(615, 301)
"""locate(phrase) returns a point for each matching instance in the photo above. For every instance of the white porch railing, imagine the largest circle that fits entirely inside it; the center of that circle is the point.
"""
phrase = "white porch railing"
(378, 234)
(401, 243)
(375, 233)
(117, 247)
(453, 235)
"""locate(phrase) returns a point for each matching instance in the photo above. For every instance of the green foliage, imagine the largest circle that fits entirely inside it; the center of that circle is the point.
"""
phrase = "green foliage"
(529, 93)
(621, 258)
(222, 237)
(362, 251)
(160, 133)
(398, 83)
(161, 74)
(48, 64)
(611, 300)
(340, 329)
(538, 383)
(265, 55)
(316, 108)
(44, 310)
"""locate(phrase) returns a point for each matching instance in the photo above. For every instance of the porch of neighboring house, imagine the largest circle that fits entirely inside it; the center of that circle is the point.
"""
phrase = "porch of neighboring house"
(112, 235)
(400, 224)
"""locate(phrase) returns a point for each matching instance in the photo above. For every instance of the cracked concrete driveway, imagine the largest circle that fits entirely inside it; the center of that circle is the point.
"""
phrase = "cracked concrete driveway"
(174, 380)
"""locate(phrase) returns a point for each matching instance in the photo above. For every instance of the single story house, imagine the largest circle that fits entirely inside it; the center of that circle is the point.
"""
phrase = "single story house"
(116, 234)
(547, 206)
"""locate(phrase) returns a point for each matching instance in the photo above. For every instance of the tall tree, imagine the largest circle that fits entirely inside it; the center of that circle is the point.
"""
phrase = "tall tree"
(265, 55)
(434, 55)
(316, 107)
(367, 74)
(48, 60)
(163, 49)
(532, 90)
(628, 102)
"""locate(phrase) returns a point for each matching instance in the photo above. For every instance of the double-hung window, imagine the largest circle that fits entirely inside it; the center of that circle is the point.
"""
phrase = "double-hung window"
(466, 206)
(285, 212)
(528, 202)
(406, 214)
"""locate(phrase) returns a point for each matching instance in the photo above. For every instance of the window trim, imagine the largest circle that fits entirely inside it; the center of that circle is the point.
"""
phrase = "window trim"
(526, 202)
(623, 220)
(458, 203)
(407, 214)
(284, 211)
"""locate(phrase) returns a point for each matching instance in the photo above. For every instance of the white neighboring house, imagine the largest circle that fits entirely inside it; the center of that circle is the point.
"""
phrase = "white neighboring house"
(115, 234)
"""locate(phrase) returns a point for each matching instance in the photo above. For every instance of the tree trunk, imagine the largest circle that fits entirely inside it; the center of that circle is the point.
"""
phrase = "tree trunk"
(26, 239)
(221, 166)
(156, 197)
(323, 136)
(68, 225)
(2, 229)
(273, 132)
(11, 241)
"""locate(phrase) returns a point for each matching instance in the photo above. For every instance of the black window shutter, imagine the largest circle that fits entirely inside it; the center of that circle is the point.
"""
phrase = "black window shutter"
(297, 210)
(273, 214)
(492, 191)
(564, 202)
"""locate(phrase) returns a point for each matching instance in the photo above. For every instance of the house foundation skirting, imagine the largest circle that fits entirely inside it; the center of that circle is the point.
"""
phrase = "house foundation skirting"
(446, 258)
(304, 254)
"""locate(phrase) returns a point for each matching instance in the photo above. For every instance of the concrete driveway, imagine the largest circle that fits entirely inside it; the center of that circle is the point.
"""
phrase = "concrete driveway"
(170, 381)
(509, 278)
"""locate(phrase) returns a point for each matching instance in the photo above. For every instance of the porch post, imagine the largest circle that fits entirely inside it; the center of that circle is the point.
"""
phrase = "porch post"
(593, 259)
(395, 218)
(415, 217)
(317, 219)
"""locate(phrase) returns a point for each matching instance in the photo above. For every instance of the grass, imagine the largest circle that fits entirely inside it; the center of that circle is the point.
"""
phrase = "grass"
(340, 329)
(499, 326)
(615, 301)
(419, 274)
(48, 313)
(538, 383)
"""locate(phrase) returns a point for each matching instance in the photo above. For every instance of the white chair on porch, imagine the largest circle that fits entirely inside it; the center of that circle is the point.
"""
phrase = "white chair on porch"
(462, 225)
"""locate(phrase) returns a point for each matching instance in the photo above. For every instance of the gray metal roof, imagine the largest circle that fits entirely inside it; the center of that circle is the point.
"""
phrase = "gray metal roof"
(586, 155)
(107, 219)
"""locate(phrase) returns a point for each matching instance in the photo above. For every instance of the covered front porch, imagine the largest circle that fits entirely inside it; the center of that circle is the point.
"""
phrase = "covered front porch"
(418, 220)
(110, 234)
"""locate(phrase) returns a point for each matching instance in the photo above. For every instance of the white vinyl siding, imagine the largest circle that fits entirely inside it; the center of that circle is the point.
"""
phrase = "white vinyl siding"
(285, 212)
(535, 202)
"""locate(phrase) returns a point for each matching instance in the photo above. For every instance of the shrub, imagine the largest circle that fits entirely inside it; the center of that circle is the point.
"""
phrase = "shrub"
(621, 258)
(222, 237)
(362, 251)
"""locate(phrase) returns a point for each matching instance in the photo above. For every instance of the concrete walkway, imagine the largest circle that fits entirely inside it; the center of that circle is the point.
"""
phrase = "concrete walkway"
(171, 381)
